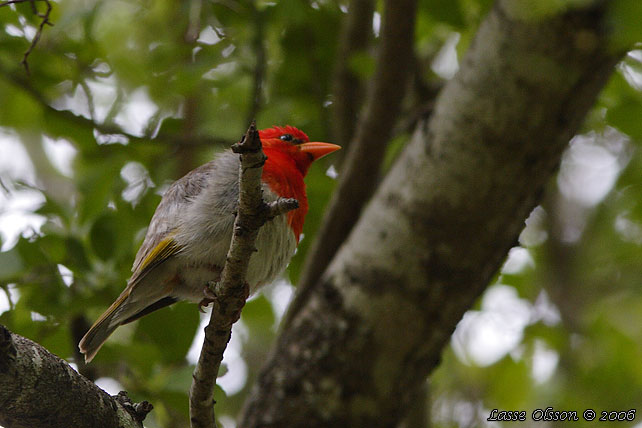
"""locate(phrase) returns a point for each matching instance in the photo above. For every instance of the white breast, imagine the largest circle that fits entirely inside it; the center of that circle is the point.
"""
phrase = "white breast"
(206, 231)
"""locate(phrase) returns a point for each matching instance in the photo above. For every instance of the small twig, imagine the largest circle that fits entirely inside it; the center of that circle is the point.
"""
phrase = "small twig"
(4, 187)
(90, 99)
(107, 127)
(258, 46)
(194, 21)
(8, 2)
(36, 38)
(115, 107)
(220, 34)
(232, 290)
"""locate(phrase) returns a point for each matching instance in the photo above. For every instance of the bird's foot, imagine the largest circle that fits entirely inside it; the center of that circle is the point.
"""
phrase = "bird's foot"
(208, 296)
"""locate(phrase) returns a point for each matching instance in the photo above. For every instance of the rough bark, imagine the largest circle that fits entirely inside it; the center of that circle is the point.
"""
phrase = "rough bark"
(38, 389)
(438, 228)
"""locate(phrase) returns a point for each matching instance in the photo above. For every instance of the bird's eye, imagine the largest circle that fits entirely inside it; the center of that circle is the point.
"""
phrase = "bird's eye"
(286, 137)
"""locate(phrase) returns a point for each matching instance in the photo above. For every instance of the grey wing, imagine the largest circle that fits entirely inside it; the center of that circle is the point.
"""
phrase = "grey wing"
(174, 202)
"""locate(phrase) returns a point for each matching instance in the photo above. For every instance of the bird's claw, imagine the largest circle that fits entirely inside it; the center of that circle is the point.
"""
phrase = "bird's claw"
(208, 297)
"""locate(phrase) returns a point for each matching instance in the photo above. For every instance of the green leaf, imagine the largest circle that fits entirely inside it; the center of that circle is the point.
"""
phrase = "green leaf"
(258, 314)
(96, 185)
(25, 114)
(446, 11)
(179, 380)
(170, 329)
(627, 116)
(77, 254)
(624, 16)
(54, 246)
(11, 265)
(362, 64)
(104, 235)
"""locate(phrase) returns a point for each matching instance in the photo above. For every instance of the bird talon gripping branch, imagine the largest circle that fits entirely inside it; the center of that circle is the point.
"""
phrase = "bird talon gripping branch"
(209, 296)
(191, 230)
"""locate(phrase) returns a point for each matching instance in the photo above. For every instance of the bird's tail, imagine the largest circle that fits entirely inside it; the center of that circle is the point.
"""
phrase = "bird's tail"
(102, 328)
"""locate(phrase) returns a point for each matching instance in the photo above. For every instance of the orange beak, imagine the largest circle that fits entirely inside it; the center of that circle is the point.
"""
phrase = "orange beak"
(318, 150)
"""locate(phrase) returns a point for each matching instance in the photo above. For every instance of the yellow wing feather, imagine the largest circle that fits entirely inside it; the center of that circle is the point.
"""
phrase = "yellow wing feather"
(103, 327)
(161, 252)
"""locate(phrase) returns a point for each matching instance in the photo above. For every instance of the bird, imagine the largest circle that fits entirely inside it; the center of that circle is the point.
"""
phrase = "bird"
(188, 237)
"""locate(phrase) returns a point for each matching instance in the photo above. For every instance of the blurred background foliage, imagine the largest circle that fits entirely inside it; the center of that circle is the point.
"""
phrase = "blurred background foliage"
(122, 97)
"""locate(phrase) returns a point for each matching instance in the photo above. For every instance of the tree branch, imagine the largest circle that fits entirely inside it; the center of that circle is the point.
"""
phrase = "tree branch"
(347, 87)
(38, 390)
(45, 20)
(232, 290)
(81, 122)
(439, 226)
(366, 152)
(258, 46)
(8, 2)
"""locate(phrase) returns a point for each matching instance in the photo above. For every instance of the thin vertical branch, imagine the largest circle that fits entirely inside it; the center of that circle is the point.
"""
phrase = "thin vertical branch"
(194, 21)
(91, 107)
(232, 291)
(367, 150)
(192, 100)
(258, 47)
(36, 38)
(347, 87)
